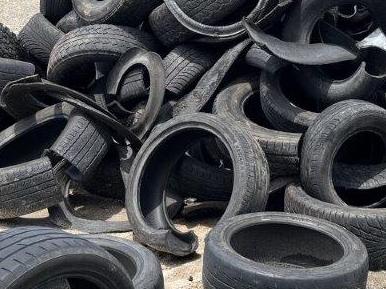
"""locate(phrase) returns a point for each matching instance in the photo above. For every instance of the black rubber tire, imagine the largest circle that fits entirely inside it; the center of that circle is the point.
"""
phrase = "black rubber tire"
(167, 143)
(28, 181)
(54, 10)
(84, 46)
(35, 255)
(38, 38)
(83, 143)
(141, 264)
(11, 70)
(171, 33)
(196, 179)
(69, 22)
(324, 138)
(36, 188)
(9, 44)
(118, 12)
(281, 148)
(367, 224)
(184, 66)
(279, 250)
(278, 109)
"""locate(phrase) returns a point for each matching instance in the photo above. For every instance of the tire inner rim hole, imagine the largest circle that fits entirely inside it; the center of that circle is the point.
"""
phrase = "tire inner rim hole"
(289, 85)
(158, 169)
(78, 283)
(364, 148)
(286, 246)
(253, 111)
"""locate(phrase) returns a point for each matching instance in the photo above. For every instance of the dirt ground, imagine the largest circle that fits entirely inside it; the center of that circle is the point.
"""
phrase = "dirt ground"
(178, 273)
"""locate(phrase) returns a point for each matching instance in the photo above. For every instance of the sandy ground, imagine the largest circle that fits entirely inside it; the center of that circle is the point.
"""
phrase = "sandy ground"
(178, 273)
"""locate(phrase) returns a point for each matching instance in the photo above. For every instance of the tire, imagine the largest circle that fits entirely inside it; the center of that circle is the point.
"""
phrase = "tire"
(69, 22)
(146, 211)
(278, 109)
(28, 181)
(278, 250)
(281, 148)
(141, 264)
(367, 224)
(11, 70)
(36, 188)
(114, 11)
(54, 10)
(184, 65)
(171, 33)
(38, 38)
(35, 255)
(9, 44)
(332, 128)
(83, 143)
(82, 47)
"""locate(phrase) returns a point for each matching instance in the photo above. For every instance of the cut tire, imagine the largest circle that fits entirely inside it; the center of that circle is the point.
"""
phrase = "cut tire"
(28, 181)
(146, 212)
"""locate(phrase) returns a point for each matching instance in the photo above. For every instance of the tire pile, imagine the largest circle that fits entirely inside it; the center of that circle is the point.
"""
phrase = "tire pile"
(247, 106)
